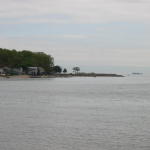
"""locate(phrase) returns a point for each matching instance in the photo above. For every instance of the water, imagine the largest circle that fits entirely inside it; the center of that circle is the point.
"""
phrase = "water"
(75, 114)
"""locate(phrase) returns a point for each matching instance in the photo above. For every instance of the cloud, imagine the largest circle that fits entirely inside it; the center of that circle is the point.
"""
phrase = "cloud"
(95, 32)
(77, 11)
(66, 53)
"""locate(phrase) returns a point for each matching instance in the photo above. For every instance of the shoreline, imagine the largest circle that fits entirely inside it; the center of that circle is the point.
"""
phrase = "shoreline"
(62, 75)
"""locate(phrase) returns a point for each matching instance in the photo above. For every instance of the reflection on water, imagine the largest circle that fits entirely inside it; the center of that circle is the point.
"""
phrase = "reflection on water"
(75, 114)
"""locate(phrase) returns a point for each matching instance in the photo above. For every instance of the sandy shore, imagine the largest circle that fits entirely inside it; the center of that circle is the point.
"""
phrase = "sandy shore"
(20, 76)
(17, 76)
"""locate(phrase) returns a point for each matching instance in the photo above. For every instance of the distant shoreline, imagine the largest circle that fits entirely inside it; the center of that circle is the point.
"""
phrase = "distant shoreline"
(63, 75)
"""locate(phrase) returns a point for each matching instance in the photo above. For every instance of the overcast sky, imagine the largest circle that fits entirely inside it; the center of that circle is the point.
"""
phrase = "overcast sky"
(97, 35)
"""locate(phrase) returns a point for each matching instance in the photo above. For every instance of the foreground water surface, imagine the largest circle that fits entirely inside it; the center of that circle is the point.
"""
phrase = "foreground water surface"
(75, 114)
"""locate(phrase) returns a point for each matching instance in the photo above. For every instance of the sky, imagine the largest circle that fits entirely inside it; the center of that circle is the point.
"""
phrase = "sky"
(96, 35)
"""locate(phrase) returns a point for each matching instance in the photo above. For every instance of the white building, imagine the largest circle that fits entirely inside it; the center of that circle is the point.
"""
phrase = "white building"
(34, 71)
(1, 71)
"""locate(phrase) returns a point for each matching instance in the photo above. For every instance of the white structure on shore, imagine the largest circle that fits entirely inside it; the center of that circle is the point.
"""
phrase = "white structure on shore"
(34, 71)
(2, 71)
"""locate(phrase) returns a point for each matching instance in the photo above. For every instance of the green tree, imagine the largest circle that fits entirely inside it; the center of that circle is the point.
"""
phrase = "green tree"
(25, 59)
(65, 70)
(76, 69)
(57, 69)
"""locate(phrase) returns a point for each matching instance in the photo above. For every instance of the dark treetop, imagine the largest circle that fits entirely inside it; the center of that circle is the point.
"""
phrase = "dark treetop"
(25, 58)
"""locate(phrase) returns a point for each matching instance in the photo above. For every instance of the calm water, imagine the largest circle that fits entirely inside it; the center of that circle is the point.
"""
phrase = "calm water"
(75, 114)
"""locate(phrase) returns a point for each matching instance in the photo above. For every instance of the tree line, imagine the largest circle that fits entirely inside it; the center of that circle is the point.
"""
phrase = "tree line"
(25, 59)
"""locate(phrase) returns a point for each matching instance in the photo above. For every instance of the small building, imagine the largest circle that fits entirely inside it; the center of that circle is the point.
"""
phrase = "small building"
(17, 71)
(11, 71)
(2, 71)
(41, 70)
(7, 70)
(34, 71)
